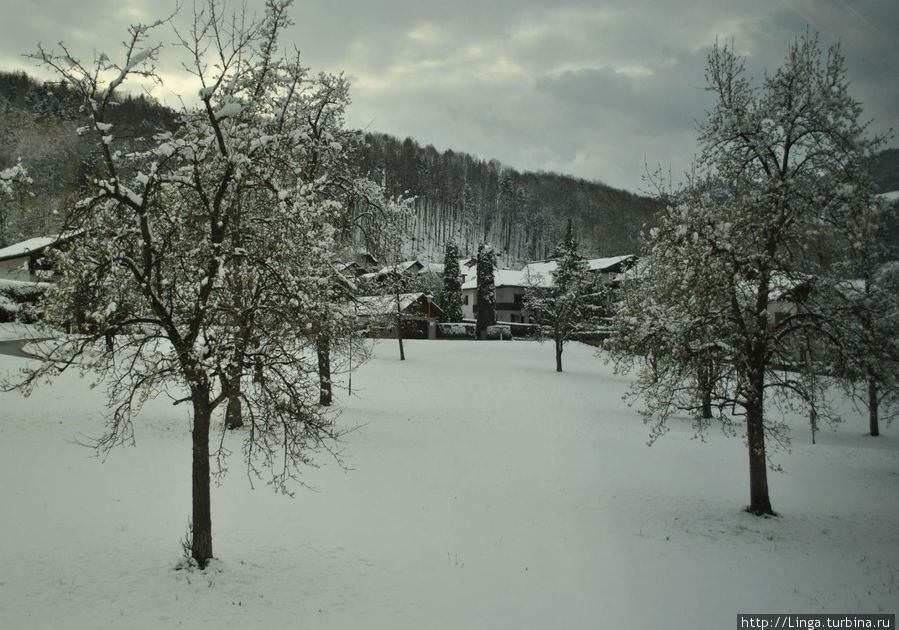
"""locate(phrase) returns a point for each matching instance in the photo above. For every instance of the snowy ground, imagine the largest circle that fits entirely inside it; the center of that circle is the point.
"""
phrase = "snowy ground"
(486, 491)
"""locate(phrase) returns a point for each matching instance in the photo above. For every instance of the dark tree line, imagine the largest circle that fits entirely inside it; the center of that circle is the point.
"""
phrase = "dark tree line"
(44, 124)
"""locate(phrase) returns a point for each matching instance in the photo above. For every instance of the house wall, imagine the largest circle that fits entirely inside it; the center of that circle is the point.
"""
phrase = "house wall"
(508, 304)
(16, 269)
(468, 296)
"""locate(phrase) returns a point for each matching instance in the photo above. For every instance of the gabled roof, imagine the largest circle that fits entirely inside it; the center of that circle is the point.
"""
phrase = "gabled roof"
(435, 268)
(27, 246)
(34, 245)
(507, 278)
(610, 264)
(401, 267)
(374, 305)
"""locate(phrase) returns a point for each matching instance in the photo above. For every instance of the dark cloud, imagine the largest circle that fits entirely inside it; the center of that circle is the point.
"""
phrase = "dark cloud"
(591, 88)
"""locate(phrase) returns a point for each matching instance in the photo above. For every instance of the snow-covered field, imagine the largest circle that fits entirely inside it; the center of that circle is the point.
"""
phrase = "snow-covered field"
(485, 491)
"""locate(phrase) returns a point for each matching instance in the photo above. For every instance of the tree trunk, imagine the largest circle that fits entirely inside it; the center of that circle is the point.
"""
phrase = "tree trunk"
(759, 503)
(873, 405)
(706, 402)
(234, 410)
(399, 326)
(559, 343)
(754, 374)
(704, 378)
(201, 542)
(399, 336)
(323, 349)
(813, 420)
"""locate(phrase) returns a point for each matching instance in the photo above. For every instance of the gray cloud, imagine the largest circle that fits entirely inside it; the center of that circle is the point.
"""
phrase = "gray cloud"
(591, 88)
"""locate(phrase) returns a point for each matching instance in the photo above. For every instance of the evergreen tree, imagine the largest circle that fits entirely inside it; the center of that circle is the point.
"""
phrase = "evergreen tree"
(451, 296)
(12, 181)
(486, 291)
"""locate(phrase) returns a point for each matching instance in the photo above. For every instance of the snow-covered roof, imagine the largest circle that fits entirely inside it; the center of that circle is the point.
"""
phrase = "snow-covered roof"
(893, 195)
(437, 268)
(27, 246)
(401, 267)
(373, 305)
(36, 244)
(604, 264)
(546, 267)
(22, 285)
(508, 278)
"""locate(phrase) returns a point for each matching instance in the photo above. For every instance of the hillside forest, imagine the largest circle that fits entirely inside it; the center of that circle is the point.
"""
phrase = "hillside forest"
(458, 197)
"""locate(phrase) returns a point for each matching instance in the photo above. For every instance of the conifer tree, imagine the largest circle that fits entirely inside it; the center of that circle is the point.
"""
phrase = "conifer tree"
(451, 296)
(486, 291)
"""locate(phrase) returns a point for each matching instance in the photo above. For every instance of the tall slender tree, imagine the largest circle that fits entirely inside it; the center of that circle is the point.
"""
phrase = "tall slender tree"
(865, 355)
(451, 295)
(486, 290)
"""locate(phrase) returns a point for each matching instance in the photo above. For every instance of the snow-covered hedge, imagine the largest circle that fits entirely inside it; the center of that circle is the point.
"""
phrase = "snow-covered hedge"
(499, 331)
(455, 330)
(18, 299)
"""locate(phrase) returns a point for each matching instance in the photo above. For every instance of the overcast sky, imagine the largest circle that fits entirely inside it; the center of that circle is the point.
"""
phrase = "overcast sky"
(588, 88)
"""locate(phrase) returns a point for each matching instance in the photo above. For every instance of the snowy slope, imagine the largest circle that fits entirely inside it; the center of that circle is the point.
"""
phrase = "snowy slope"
(484, 491)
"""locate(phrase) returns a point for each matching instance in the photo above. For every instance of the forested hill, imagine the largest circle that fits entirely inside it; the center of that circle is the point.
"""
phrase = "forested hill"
(457, 196)
(469, 200)
(39, 124)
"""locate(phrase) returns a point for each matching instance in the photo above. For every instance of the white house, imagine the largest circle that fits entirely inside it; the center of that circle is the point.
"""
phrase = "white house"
(609, 269)
(512, 284)
(20, 261)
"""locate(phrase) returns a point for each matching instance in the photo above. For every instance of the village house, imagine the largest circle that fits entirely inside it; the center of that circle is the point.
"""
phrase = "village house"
(22, 261)
(405, 269)
(21, 280)
(511, 285)
(377, 315)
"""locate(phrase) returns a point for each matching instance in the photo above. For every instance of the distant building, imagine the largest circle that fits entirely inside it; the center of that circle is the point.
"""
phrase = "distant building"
(22, 261)
(511, 285)
(608, 269)
(407, 269)
(377, 314)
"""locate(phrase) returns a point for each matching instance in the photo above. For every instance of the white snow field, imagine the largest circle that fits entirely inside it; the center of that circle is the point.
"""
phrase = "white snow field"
(485, 491)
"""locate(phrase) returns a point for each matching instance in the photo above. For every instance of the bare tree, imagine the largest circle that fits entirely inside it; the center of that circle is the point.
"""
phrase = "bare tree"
(780, 169)
(570, 302)
(208, 255)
